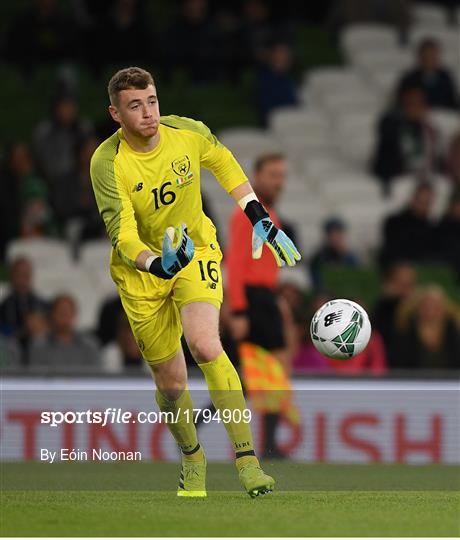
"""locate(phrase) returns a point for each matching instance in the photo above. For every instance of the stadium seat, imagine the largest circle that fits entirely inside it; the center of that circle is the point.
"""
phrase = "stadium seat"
(324, 80)
(354, 136)
(247, 143)
(367, 37)
(42, 252)
(358, 101)
(376, 61)
(351, 188)
(95, 253)
(448, 38)
(429, 15)
(448, 123)
(385, 81)
(50, 282)
(402, 188)
(294, 120)
(296, 275)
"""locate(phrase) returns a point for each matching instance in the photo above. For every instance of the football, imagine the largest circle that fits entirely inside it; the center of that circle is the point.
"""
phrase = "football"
(340, 329)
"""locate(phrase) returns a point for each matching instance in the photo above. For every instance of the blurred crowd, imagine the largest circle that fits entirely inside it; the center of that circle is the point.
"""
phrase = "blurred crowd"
(46, 189)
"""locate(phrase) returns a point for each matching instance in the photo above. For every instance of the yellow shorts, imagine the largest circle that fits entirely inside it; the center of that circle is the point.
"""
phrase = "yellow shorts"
(153, 305)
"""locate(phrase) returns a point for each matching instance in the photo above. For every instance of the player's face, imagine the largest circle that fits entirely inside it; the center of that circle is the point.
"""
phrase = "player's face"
(137, 111)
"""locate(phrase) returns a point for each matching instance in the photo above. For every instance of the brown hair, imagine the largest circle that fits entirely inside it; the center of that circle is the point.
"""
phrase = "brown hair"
(132, 77)
(262, 160)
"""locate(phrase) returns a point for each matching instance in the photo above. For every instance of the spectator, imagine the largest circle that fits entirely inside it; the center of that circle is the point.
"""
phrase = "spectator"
(275, 84)
(259, 28)
(56, 143)
(36, 218)
(399, 283)
(63, 349)
(428, 332)
(447, 234)
(124, 355)
(432, 77)
(453, 159)
(10, 355)
(17, 167)
(120, 36)
(195, 46)
(406, 140)
(22, 313)
(334, 251)
(110, 314)
(84, 211)
(256, 314)
(408, 235)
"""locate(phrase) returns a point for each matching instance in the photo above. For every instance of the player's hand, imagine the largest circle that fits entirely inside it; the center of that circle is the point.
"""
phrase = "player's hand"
(282, 247)
(176, 254)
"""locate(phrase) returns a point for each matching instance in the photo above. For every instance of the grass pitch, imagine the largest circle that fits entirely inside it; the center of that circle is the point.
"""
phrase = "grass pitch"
(138, 499)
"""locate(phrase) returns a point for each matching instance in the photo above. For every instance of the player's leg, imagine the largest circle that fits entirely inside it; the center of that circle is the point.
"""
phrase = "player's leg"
(200, 321)
(157, 328)
(173, 397)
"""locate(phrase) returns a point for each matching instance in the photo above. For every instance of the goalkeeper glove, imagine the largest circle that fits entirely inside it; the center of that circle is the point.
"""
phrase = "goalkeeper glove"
(266, 232)
(174, 257)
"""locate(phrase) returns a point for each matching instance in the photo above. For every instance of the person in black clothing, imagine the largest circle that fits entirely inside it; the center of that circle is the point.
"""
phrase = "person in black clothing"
(21, 309)
(334, 251)
(398, 285)
(432, 77)
(275, 83)
(406, 140)
(428, 332)
(409, 234)
(447, 234)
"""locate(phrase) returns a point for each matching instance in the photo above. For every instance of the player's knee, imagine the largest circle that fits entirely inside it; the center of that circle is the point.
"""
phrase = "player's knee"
(205, 349)
(172, 391)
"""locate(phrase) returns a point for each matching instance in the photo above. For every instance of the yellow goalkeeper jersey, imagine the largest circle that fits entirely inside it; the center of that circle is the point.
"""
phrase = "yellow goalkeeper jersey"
(140, 194)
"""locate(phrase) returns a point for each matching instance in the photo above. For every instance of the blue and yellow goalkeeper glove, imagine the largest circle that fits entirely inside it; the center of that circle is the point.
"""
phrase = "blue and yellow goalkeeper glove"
(175, 254)
(266, 232)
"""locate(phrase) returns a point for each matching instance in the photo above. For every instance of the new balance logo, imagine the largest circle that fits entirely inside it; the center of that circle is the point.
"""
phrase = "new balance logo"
(333, 317)
(138, 186)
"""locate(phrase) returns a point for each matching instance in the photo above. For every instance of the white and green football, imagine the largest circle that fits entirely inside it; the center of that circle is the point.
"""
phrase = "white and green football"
(340, 329)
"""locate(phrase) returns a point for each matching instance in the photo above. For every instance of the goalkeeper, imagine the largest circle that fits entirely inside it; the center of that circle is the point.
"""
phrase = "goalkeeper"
(166, 260)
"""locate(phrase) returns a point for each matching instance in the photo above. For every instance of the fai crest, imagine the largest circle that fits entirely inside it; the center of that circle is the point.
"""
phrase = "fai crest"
(181, 166)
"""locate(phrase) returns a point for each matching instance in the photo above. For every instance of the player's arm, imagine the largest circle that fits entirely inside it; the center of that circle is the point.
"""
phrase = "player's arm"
(115, 206)
(264, 230)
(221, 162)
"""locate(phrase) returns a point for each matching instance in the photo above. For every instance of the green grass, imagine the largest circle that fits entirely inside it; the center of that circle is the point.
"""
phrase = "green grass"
(138, 499)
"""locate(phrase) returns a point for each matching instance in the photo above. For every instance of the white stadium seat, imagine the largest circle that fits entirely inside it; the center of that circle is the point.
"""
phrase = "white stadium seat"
(95, 253)
(321, 81)
(76, 282)
(42, 252)
(336, 102)
(429, 15)
(449, 39)
(367, 36)
(247, 143)
(447, 122)
(371, 61)
(295, 120)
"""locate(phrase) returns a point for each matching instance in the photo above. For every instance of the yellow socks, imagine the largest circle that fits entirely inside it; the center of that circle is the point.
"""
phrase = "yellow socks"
(226, 393)
(183, 430)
